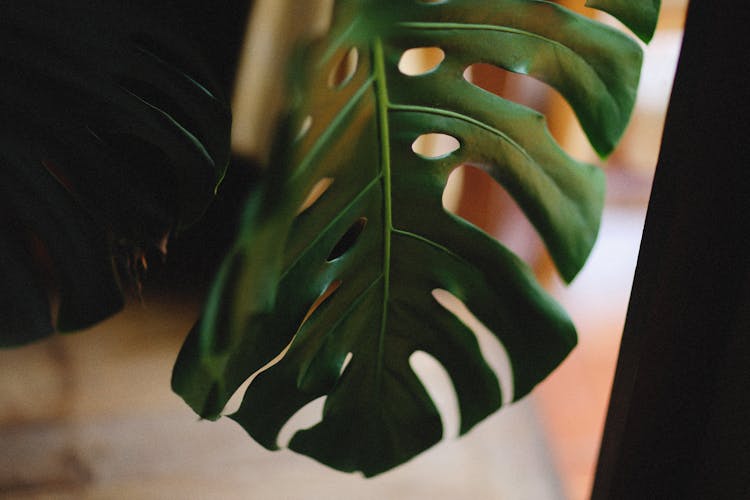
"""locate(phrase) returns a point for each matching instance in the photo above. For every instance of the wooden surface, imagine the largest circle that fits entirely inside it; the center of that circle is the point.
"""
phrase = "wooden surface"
(91, 416)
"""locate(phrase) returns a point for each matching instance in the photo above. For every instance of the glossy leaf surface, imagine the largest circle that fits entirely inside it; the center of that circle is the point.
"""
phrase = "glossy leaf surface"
(356, 272)
(639, 15)
(113, 134)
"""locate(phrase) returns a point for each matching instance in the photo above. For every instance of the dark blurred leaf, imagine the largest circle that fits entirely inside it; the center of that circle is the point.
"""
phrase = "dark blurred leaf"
(114, 134)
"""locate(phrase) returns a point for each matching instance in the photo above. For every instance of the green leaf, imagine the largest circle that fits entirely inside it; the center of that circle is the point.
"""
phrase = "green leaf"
(113, 135)
(358, 271)
(638, 15)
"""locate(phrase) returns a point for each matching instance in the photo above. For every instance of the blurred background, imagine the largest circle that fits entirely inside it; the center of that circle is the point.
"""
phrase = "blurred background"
(91, 415)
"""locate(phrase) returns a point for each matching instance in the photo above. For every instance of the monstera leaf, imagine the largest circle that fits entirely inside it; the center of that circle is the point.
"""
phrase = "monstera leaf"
(349, 283)
(113, 134)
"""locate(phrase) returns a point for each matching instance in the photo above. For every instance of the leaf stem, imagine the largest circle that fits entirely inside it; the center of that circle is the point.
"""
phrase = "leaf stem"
(382, 103)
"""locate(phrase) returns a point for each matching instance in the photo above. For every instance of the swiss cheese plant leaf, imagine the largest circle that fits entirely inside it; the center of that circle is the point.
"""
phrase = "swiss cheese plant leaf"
(349, 283)
(112, 135)
(639, 15)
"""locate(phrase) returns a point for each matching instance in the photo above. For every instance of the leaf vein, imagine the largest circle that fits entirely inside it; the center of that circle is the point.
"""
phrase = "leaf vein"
(432, 26)
(382, 104)
(328, 226)
(356, 300)
(328, 133)
(467, 119)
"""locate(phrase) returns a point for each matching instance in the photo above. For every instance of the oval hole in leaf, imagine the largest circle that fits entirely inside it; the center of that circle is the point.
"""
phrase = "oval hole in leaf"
(492, 349)
(348, 240)
(347, 360)
(344, 70)
(439, 386)
(472, 194)
(434, 146)
(304, 127)
(315, 193)
(420, 60)
(306, 417)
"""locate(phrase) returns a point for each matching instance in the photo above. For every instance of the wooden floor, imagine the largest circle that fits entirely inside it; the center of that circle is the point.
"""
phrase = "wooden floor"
(92, 416)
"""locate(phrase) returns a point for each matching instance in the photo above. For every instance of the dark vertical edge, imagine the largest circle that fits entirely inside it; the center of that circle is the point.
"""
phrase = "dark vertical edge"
(678, 418)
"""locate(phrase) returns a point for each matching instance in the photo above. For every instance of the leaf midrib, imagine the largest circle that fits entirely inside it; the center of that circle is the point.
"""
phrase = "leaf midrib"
(384, 107)
(382, 104)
